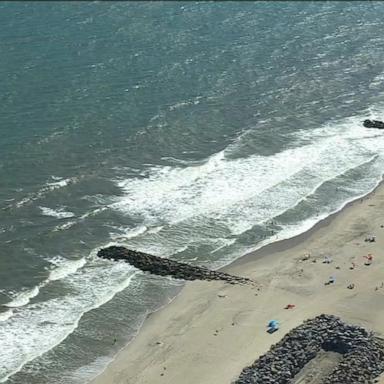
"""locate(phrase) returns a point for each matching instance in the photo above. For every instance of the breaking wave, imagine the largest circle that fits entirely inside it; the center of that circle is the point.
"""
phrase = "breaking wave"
(38, 327)
(58, 213)
(218, 201)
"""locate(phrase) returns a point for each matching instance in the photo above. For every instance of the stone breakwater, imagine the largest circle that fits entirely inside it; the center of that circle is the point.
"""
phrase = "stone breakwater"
(166, 267)
(362, 354)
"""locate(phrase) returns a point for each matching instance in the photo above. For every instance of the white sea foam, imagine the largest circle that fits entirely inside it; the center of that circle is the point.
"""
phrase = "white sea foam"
(225, 243)
(56, 178)
(48, 187)
(155, 229)
(92, 213)
(69, 224)
(6, 315)
(298, 228)
(128, 233)
(64, 226)
(23, 297)
(179, 105)
(59, 213)
(184, 103)
(36, 328)
(59, 183)
(64, 267)
(225, 197)
(176, 194)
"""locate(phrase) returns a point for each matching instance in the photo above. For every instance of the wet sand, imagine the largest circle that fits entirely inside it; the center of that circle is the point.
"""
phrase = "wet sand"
(212, 330)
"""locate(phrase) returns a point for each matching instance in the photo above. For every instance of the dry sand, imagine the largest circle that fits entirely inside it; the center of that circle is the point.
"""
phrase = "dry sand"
(212, 330)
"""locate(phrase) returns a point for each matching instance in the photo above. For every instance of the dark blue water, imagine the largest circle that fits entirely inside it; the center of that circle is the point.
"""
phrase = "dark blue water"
(195, 130)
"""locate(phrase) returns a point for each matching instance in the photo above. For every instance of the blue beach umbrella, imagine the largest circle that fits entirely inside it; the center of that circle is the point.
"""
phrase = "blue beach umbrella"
(273, 324)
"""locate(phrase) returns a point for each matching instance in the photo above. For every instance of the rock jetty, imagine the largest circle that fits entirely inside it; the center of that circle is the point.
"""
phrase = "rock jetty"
(362, 354)
(166, 267)
(373, 124)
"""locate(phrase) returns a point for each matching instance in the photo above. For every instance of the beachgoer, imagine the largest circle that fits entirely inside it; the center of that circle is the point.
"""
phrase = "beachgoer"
(272, 326)
(331, 280)
(369, 258)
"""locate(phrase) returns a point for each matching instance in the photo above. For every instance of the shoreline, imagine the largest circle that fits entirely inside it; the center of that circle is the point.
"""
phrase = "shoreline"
(284, 244)
(240, 265)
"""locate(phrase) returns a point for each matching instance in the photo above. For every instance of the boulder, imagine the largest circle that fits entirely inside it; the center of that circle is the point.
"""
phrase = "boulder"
(373, 124)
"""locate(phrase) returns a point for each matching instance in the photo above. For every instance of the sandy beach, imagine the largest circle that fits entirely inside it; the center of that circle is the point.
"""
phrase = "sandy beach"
(212, 330)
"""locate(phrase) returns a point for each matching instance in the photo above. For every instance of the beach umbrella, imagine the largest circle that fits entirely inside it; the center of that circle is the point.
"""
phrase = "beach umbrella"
(273, 324)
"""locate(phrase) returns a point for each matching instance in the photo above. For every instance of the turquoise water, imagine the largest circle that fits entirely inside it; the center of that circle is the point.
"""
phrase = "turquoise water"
(194, 130)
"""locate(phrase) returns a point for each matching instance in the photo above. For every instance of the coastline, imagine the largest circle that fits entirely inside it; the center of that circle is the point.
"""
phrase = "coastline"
(284, 244)
(159, 348)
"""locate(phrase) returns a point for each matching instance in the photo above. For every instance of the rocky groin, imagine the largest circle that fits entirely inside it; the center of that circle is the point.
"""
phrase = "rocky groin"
(166, 267)
(373, 124)
(362, 354)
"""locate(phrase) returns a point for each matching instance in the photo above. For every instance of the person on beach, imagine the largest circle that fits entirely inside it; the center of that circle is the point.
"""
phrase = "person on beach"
(331, 280)
(370, 239)
(327, 260)
(369, 258)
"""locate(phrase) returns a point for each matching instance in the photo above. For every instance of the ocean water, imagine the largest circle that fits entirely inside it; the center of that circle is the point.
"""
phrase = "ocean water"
(195, 130)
